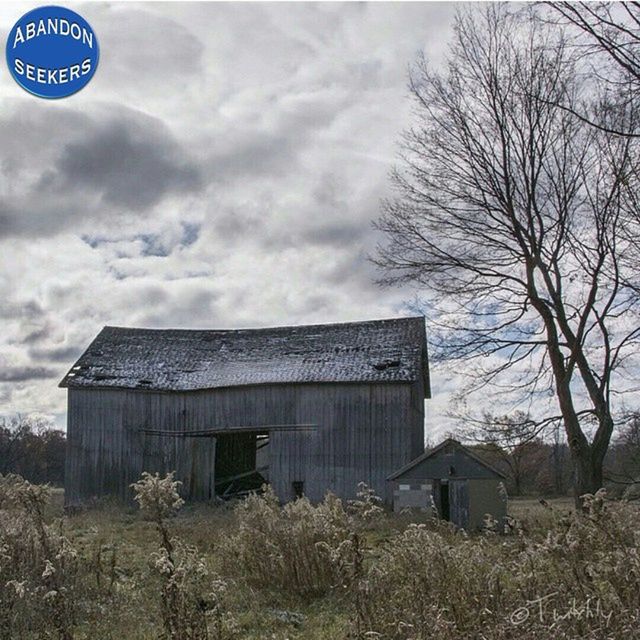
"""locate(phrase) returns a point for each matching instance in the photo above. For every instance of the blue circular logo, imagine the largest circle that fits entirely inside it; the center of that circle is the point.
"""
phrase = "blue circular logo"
(52, 52)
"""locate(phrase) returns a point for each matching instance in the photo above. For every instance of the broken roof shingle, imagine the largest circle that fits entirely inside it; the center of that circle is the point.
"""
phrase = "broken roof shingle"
(186, 360)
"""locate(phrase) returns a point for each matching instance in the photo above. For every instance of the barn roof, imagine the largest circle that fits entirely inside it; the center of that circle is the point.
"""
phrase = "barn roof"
(449, 442)
(186, 360)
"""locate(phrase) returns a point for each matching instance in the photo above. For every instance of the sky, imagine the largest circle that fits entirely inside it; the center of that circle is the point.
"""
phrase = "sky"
(222, 169)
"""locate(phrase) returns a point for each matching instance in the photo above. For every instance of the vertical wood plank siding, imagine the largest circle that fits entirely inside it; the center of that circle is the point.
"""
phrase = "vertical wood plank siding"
(364, 433)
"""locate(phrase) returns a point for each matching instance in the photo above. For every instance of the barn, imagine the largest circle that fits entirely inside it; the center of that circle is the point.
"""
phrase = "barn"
(309, 409)
(451, 478)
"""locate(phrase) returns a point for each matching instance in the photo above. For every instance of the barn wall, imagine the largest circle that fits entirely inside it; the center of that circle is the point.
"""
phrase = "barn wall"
(364, 433)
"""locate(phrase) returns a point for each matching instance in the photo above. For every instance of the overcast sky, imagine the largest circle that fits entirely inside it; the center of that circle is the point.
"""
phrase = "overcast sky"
(221, 170)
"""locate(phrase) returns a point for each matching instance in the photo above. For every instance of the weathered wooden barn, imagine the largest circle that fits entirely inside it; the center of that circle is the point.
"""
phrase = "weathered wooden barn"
(322, 408)
(452, 479)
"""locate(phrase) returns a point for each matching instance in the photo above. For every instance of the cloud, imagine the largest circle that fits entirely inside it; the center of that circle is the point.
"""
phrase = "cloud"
(222, 169)
(184, 234)
(30, 309)
(127, 163)
(144, 47)
(37, 335)
(116, 162)
(64, 354)
(25, 373)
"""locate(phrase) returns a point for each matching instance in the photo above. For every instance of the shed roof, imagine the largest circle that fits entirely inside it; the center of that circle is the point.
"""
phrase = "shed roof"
(186, 360)
(449, 442)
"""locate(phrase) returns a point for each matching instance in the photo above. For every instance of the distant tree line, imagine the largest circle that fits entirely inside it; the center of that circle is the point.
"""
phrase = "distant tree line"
(622, 471)
(32, 447)
(538, 461)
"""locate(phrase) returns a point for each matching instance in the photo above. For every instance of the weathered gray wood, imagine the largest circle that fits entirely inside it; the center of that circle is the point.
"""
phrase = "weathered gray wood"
(206, 433)
(239, 476)
(459, 502)
(364, 433)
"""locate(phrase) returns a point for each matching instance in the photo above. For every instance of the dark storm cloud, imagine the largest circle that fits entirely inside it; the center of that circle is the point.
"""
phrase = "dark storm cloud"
(342, 233)
(37, 335)
(31, 309)
(315, 303)
(358, 270)
(128, 163)
(65, 353)
(65, 167)
(24, 374)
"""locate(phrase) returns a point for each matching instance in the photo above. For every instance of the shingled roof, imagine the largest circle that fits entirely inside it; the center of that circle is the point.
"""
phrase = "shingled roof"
(186, 360)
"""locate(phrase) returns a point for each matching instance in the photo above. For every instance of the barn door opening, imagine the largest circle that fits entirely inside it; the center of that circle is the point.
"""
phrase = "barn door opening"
(235, 465)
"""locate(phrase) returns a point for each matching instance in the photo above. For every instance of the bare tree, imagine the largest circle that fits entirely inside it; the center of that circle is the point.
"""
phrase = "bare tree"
(513, 439)
(612, 28)
(607, 44)
(606, 48)
(12, 433)
(560, 464)
(507, 216)
(32, 447)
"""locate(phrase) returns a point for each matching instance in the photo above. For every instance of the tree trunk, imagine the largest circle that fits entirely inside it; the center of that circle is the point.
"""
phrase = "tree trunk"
(516, 484)
(588, 473)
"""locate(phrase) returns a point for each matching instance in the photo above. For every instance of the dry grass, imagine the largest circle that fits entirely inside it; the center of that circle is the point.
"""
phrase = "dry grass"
(332, 572)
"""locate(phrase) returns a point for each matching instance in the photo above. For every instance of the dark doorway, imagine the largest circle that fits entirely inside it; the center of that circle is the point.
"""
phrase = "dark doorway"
(444, 501)
(235, 453)
(235, 466)
(298, 488)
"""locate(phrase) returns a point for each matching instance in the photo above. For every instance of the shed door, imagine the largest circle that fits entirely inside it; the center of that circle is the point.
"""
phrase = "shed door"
(459, 502)
(440, 495)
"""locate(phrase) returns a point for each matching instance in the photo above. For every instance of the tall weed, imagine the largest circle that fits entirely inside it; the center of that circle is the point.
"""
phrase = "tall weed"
(287, 548)
(38, 566)
(192, 596)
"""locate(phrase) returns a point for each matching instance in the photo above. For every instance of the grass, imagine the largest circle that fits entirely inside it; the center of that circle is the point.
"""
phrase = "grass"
(260, 614)
(377, 575)
(536, 517)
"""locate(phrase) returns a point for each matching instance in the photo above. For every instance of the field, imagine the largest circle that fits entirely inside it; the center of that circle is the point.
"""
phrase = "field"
(332, 571)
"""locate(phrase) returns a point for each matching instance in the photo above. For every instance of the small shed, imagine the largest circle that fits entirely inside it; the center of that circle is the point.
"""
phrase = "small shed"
(453, 479)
